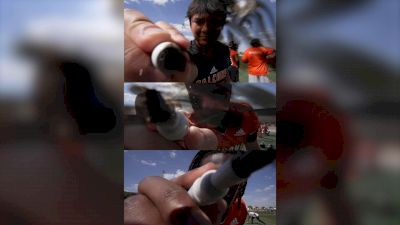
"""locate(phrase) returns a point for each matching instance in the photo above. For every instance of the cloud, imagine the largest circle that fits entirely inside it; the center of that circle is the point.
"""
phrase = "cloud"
(247, 196)
(129, 1)
(260, 201)
(148, 163)
(183, 28)
(170, 176)
(158, 2)
(161, 162)
(172, 154)
(266, 189)
(132, 188)
(155, 2)
(269, 177)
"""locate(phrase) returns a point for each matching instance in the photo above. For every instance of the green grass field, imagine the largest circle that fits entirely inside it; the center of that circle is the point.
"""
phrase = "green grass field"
(244, 78)
(268, 219)
(270, 139)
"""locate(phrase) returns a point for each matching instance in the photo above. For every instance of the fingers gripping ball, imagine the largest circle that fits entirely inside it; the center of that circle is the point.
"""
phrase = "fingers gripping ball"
(168, 57)
(159, 110)
(170, 124)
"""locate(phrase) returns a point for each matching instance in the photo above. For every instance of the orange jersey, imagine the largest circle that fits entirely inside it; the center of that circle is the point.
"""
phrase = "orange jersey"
(234, 56)
(241, 122)
(237, 214)
(257, 60)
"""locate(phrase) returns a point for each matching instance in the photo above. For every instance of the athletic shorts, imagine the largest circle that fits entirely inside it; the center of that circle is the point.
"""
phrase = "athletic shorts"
(259, 79)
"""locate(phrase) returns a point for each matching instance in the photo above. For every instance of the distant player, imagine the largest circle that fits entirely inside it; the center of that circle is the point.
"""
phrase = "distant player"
(233, 47)
(256, 57)
(253, 215)
(234, 69)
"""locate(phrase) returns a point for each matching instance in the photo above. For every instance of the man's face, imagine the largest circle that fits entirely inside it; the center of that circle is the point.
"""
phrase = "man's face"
(206, 28)
(210, 96)
(210, 102)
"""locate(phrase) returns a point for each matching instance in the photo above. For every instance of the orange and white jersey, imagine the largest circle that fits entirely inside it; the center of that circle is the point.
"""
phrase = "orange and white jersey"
(241, 123)
(237, 213)
(256, 58)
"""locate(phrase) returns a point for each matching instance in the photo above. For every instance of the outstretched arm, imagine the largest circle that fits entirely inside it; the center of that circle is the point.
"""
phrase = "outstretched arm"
(166, 202)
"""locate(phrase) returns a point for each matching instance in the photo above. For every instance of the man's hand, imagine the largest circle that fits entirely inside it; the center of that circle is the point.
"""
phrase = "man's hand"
(166, 202)
(141, 37)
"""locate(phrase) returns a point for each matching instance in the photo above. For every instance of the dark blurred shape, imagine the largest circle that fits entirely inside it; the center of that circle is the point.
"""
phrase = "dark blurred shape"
(329, 181)
(255, 42)
(290, 133)
(81, 100)
(251, 161)
(233, 45)
(60, 119)
(158, 109)
(174, 59)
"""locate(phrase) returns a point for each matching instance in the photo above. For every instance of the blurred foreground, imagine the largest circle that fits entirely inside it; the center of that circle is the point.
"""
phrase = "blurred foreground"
(60, 112)
(338, 112)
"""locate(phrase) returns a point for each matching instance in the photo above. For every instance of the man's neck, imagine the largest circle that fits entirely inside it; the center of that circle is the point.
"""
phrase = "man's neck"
(206, 50)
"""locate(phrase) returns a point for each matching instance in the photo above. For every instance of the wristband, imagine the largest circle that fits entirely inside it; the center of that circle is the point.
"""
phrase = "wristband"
(175, 128)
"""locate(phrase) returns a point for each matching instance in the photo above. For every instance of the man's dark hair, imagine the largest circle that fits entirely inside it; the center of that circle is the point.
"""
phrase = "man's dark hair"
(233, 45)
(216, 91)
(216, 7)
(255, 42)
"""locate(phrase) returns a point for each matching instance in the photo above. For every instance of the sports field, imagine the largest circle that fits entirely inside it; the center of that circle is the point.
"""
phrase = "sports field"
(267, 218)
(264, 140)
(270, 139)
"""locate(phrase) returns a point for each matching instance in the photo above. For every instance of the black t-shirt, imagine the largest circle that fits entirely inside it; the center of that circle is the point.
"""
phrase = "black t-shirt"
(211, 70)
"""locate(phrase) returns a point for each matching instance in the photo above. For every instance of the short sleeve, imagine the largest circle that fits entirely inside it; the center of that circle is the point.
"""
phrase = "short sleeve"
(268, 51)
(245, 57)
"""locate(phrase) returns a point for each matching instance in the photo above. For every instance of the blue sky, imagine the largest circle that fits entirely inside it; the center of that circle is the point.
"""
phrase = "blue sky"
(260, 191)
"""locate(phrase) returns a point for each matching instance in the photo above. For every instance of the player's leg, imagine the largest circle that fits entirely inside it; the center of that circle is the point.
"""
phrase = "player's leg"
(252, 79)
(264, 79)
(258, 218)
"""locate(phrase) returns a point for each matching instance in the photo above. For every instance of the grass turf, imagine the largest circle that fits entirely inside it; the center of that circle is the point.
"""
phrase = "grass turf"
(267, 218)
(270, 139)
